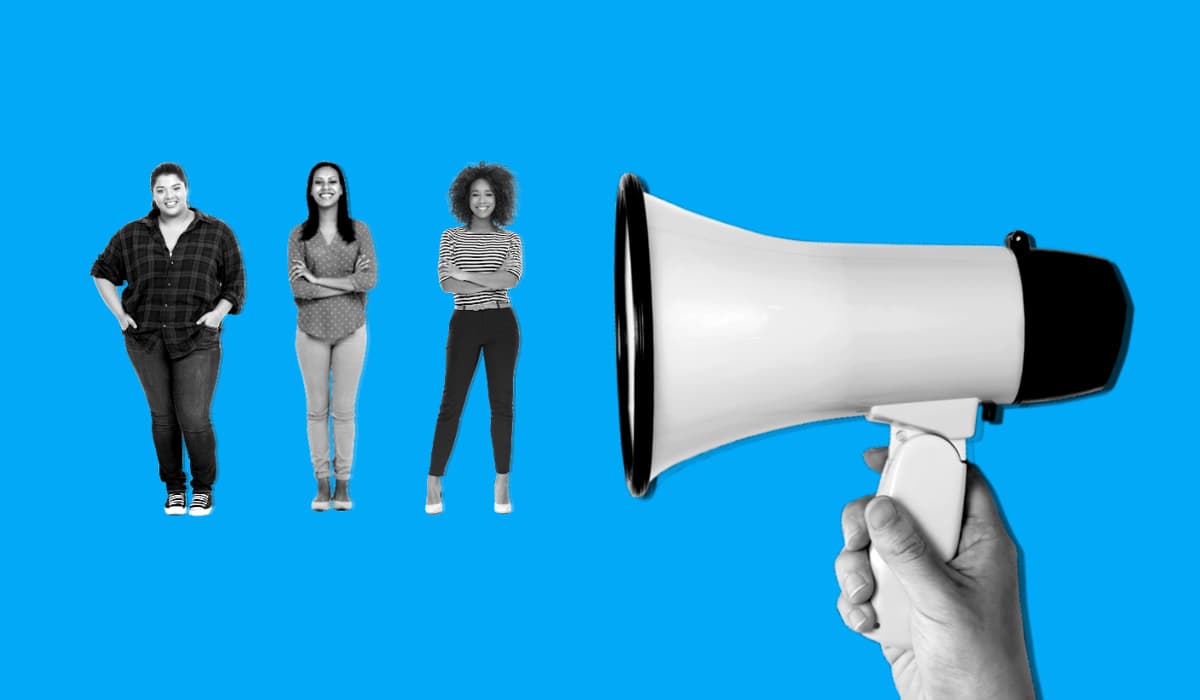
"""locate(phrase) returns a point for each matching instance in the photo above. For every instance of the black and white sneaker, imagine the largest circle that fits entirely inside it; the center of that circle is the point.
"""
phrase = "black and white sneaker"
(201, 504)
(176, 504)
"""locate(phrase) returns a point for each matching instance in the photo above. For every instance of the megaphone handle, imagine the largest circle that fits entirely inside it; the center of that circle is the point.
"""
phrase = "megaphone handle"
(927, 476)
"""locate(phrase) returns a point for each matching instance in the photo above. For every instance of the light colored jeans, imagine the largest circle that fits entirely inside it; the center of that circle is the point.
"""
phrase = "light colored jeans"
(343, 361)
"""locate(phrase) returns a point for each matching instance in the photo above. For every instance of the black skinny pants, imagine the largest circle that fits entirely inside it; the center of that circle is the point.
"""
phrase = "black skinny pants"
(495, 333)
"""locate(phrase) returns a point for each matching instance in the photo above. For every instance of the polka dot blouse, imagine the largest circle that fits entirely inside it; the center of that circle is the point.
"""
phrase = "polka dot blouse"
(332, 317)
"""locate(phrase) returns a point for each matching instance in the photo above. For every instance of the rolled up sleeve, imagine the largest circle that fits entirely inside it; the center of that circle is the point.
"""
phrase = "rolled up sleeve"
(233, 273)
(364, 280)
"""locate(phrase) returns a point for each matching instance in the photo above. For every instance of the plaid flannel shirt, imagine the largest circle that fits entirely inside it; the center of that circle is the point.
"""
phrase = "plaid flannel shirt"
(167, 292)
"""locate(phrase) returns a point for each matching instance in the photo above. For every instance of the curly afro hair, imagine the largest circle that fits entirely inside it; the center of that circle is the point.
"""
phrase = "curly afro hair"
(504, 185)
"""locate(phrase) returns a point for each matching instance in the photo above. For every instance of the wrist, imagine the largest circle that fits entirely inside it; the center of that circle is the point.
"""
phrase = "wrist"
(1007, 678)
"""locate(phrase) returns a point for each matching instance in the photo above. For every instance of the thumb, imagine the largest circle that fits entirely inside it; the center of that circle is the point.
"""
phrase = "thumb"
(899, 542)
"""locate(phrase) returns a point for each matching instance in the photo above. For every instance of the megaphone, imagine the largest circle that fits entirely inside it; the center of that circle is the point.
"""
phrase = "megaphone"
(723, 333)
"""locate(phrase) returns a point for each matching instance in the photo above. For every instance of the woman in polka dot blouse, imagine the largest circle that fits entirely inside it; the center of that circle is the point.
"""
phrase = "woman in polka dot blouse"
(331, 265)
(478, 263)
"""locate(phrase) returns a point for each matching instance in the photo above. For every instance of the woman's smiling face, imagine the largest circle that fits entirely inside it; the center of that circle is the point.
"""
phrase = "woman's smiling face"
(170, 194)
(482, 200)
(326, 187)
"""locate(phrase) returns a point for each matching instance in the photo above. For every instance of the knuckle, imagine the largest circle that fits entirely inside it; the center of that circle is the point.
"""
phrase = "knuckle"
(855, 535)
(844, 607)
(842, 564)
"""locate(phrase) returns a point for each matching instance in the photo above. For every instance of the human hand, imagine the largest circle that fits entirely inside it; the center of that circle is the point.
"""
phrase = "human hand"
(362, 264)
(212, 319)
(126, 321)
(300, 269)
(966, 623)
(451, 270)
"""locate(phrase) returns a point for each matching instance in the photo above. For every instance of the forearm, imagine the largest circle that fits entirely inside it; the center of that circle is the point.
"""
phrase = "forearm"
(452, 285)
(319, 292)
(345, 284)
(108, 293)
(303, 289)
(501, 279)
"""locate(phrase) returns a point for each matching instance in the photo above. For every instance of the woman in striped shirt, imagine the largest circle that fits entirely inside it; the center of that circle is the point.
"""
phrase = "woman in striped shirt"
(478, 264)
(331, 265)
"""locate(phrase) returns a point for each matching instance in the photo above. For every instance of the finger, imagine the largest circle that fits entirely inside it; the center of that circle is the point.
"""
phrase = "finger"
(984, 532)
(132, 322)
(876, 458)
(853, 570)
(854, 524)
(980, 503)
(858, 617)
(897, 540)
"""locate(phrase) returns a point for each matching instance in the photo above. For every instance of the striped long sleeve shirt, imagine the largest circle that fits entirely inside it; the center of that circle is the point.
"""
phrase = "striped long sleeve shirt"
(481, 252)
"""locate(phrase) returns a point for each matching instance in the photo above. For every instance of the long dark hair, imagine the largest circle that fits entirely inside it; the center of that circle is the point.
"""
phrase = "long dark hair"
(504, 186)
(345, 225)
(165, 169)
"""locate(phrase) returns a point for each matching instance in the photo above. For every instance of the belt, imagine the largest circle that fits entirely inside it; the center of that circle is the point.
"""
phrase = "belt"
(482, 306)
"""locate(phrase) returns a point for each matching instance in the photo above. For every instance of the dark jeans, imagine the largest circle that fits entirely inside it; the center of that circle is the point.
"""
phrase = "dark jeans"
(494, 332)
(180, 392)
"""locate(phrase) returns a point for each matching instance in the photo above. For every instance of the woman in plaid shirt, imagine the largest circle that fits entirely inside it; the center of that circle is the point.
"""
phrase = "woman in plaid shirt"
(182, 272)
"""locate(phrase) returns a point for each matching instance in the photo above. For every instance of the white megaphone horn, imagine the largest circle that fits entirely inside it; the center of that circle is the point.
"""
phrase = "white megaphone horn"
(723, 333)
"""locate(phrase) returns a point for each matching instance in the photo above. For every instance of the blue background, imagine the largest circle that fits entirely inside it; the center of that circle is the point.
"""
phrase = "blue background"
(863, 124)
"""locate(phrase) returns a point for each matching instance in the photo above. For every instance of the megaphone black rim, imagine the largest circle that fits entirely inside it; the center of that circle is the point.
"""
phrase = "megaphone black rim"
(632, 243)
